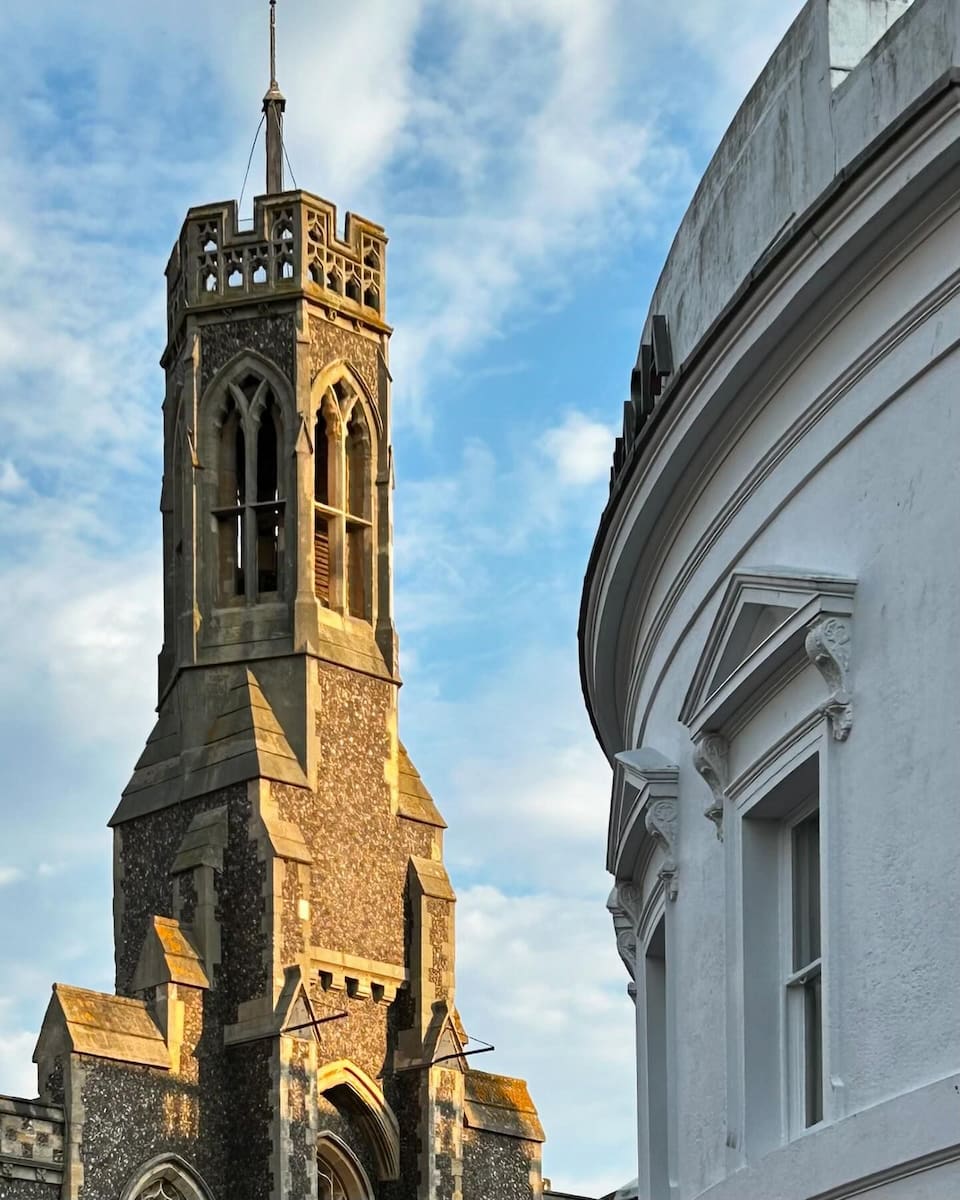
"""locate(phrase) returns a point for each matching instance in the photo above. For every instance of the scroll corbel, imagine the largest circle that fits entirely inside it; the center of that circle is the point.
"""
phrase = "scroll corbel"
(710, 758)
(624, 907)
(661, 821)
(828, 647)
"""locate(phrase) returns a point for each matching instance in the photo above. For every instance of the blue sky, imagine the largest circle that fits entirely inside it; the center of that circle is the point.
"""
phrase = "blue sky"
(531, 160)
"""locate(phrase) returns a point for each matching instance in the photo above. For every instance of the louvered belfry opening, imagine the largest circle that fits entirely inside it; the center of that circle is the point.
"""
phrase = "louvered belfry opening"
(321, 497)
(358, 523)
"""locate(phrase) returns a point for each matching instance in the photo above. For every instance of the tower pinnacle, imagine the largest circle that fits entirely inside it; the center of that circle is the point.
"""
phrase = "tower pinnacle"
(274, 105)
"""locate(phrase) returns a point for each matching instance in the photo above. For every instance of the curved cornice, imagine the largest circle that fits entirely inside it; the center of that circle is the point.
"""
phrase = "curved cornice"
(789, 273)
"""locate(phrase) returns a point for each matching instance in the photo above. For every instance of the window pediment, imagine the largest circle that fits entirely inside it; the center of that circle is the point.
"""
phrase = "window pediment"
(769, 622)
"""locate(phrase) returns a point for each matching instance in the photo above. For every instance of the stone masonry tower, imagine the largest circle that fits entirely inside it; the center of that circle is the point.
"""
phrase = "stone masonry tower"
(284, 1026)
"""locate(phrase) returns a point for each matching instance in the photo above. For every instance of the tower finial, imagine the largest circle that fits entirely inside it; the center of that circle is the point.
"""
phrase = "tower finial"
(274, 105)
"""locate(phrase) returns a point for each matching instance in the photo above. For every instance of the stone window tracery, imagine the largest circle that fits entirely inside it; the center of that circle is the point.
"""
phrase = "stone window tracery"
(250, 502)
(163, 1189)
(331, 1186)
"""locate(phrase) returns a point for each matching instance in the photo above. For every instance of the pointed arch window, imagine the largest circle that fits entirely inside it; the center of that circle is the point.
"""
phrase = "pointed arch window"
(166, 1177)
(250, 497)
(339, 1174)
(343, 504)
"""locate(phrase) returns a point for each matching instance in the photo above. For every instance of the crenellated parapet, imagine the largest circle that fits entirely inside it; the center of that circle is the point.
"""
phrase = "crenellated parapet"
(292, 248)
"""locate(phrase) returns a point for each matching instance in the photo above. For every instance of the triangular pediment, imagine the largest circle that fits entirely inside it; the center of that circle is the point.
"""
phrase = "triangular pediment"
(758, 633)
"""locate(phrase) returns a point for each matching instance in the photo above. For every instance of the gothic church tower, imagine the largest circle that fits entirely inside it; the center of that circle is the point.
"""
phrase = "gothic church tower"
(285, 1025)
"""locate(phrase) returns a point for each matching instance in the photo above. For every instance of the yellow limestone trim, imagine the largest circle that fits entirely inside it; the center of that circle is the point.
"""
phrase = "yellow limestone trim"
(377, 1117)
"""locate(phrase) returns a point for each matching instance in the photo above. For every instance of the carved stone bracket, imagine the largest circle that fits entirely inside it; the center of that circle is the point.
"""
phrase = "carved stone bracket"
(661, 820)
(624, 907)
(652, 780)
(710, 760)
(828, 647)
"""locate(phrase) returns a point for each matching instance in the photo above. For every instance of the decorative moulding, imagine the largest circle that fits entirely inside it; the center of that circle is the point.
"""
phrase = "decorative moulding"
(767, 623)
(645, 807)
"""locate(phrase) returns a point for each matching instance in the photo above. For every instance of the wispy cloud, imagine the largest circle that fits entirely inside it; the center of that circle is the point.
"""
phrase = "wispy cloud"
(524, 155)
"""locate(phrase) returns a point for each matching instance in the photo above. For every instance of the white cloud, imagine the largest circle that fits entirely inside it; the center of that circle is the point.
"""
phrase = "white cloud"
(11, 481)
(540, 977)
(10, 875)
(18, 1075)
(580, 449)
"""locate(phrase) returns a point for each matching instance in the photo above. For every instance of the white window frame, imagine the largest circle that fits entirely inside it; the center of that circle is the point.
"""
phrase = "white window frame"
(794, 1059)
(749, 1088)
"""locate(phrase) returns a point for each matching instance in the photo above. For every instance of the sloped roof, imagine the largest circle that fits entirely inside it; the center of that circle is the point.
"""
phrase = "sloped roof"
(499, 1104)
(103, 1026)
(245, 742)
(416, 803)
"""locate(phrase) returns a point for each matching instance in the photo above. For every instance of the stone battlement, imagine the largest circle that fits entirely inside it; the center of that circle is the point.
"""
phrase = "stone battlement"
(291, 248)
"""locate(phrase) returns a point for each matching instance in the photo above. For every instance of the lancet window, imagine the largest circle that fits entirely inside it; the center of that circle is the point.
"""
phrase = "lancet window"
(343, 503)
(250, 495)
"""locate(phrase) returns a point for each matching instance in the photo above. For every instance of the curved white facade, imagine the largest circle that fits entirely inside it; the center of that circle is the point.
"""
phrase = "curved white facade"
(770, 632)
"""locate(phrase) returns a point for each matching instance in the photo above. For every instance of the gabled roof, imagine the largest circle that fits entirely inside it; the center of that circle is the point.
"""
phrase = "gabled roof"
(168, 956)
(245, 742)
(103, 1026)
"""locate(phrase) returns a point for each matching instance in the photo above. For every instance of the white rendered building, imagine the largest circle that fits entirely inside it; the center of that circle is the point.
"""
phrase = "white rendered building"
(770, 636)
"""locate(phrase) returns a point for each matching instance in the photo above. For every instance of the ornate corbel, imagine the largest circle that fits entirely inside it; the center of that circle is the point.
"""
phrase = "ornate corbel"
(710, 760)
(661, 821)
(828, 647)
(332, 416)
(624, 907)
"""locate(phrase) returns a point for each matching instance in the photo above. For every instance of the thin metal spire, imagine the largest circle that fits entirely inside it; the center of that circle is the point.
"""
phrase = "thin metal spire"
(273, 44)
(274, 105)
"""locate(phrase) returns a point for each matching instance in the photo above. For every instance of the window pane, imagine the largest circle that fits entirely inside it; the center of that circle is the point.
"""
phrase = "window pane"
(806, 892)
(813, 1043)
(269, 548)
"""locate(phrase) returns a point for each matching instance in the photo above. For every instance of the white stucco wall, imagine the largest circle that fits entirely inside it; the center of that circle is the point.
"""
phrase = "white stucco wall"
(817, 430)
